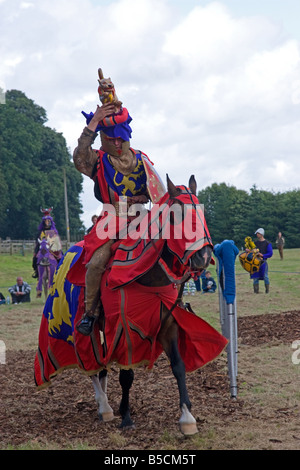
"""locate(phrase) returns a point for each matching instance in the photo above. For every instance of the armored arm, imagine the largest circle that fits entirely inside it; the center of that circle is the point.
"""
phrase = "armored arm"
(84, 156)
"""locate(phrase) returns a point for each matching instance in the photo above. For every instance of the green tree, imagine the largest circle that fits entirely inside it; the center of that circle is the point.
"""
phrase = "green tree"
(290, 229)
(239, 214)
(218, 203)
(3, 197)
(32, 158)
(234, 214)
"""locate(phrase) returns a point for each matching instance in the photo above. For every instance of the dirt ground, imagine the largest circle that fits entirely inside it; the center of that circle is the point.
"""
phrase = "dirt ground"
(66, 415)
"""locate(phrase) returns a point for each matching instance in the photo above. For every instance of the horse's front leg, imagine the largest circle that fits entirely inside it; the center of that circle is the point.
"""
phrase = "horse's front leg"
(168, 337)
(39, 287)
(105, 412)
(52, 268)
(126, 378)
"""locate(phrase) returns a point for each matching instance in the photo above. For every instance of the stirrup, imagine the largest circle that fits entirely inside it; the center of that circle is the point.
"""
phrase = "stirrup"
(85, 326)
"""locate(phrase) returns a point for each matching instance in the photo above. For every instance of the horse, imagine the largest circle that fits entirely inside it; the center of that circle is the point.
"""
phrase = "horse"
(153, 296)
(46, 263)
(167, 337)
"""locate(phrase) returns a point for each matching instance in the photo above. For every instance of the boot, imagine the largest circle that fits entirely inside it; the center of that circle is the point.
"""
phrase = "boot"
(85, 327)
(267, 288)
(92, 295)
(95, 269)
(256, 288)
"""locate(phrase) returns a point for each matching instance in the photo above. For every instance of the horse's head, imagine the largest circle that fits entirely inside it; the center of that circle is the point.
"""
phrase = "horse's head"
(198, 244)
(44, 253)
(43, 246)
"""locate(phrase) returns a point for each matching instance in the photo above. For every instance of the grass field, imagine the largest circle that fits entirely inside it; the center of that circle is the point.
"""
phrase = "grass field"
(268, 379)
(284, 296)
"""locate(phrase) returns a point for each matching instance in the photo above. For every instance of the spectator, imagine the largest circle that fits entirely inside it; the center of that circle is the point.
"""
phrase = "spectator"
(2, 298)
(94, 221)
(265, 251)
(198, 281)
(20, 292)
(189, 288)
(208, 283)
(280, 241)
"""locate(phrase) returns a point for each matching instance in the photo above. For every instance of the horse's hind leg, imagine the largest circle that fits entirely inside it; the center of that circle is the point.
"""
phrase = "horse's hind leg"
(126, 378)
(168, 337)
(105, 412)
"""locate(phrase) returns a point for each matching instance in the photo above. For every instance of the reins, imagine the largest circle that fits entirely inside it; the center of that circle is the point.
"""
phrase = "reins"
(177, 301)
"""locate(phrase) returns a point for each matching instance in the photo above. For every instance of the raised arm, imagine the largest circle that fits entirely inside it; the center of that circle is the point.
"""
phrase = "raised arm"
(84, 156)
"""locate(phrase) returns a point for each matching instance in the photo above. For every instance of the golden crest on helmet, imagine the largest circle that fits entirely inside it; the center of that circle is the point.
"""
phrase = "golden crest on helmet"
(106, 90)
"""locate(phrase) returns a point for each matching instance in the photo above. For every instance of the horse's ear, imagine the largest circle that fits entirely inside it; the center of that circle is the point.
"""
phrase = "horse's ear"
(172, 190)
(193, 185)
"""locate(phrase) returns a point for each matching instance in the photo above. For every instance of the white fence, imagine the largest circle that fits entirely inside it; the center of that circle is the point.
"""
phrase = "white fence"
(23, 247)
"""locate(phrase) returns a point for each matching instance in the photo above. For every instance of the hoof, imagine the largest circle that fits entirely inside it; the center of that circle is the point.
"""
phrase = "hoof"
(127, 424)
(106, 417)
(127, 427)
(188, 429)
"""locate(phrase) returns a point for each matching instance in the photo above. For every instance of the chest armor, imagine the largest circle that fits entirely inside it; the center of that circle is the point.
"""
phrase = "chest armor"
(130, 185)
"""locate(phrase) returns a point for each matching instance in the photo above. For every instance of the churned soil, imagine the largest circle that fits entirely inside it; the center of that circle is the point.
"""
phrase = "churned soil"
(65, 414)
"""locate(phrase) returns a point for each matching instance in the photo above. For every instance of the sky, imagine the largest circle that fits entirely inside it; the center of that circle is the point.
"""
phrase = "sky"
(213, 87)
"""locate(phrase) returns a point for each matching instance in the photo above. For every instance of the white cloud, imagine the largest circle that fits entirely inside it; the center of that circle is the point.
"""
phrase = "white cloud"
(210, 92)
(26, 5)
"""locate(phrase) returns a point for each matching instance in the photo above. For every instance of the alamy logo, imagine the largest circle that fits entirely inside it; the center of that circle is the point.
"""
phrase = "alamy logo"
(183, 222)
(2, 352)
(296, 353)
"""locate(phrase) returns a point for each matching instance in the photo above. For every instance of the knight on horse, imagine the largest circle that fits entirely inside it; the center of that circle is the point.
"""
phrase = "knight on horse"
(120, 177)
(48, 249)
(138, 266)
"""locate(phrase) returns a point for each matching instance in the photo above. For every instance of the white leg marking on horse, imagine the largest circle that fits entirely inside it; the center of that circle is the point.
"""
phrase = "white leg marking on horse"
(104, 410)
(187, 422)
(103, 384)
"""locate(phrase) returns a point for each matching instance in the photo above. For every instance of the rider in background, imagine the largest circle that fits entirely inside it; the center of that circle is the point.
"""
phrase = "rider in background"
(47, 226)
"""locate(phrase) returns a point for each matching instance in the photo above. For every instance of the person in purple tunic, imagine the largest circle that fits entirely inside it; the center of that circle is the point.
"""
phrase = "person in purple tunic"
(266, 252)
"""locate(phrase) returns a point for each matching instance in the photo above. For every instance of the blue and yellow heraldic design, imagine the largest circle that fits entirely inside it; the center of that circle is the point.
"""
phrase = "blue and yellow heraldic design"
(130, 185)
(62, 302)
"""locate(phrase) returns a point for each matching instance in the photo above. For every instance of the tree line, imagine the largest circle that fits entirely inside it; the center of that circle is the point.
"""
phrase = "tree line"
(33, 158)
(233, 214)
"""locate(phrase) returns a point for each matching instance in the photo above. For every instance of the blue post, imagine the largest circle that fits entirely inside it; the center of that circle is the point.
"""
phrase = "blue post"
(226, 253)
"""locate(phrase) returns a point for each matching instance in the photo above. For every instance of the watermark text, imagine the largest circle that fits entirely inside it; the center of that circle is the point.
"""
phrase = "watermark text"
(179, 222)
(296, 353)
